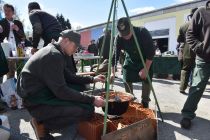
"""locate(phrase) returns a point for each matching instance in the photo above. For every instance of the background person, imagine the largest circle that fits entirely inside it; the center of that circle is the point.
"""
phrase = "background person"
(198, 38)
(187, 59)
(133, 70)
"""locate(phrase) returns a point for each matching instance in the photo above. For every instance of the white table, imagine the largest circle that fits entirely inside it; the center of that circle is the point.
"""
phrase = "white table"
(83, 57)
(17, 58)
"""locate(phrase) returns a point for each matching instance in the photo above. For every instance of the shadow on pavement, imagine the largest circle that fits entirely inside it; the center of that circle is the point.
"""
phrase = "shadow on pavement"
(119, 82)
(170, 128)
(164, 81)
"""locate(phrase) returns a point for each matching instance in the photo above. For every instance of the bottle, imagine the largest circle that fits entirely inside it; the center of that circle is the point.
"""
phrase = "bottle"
(20, 49)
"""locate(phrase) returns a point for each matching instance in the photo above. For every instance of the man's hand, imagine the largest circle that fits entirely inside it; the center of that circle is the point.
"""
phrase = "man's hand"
(33, 50)
(112, 76)
(142, 74)
(15, 27)
(99, 78)
(99, 101)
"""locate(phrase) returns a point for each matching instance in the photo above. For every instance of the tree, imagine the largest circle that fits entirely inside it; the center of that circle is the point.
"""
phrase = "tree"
(65, 23)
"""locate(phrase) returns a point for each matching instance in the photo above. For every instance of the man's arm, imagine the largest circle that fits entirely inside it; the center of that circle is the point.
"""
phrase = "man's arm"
(194, 29)
(18, 27)
(76, 79)
(181, 36)
(37, 28)
(149, 48)
(53, 77)
(147, 44)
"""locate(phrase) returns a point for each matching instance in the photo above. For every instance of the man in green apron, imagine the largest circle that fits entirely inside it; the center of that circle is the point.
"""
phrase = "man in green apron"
(51, 92)
(133, 69)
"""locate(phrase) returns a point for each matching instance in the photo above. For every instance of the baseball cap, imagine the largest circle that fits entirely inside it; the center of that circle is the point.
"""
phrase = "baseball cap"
(72, 36)
(123, 26)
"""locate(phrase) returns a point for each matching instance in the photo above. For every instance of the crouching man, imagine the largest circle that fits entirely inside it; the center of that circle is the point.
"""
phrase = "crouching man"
(48, 88)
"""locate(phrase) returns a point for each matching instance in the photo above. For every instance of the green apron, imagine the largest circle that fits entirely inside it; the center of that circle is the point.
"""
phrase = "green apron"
(45, 96)
(133, 64)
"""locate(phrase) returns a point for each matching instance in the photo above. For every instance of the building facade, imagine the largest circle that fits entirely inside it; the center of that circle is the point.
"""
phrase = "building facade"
(163, 24)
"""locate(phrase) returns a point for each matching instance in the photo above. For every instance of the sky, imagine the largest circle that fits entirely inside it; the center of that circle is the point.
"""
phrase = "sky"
(86, 13)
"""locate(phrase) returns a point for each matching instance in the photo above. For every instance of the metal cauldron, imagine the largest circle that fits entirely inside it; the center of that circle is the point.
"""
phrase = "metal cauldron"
(118, 102)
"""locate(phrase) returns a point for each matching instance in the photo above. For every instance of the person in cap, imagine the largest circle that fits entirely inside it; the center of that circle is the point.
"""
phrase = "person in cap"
(198, 38)
(105, 51)
(133, 69)
(51, 93)
(92, 48)
(187, 56)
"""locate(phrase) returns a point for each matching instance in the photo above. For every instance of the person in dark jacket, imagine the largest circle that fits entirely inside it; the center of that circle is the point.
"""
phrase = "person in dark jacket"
(198, 38)
(47, 27)
(51, 93)
(92, 48)
(12, 30)
(44, 25)
(188, 56)
(133, 70)
(105, 51)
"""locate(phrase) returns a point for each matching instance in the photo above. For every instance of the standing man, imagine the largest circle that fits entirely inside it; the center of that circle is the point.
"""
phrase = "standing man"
(105, 51)
(47, 27)
(12, 30)
(198, 38)
(187, 57)
(133, 69)
(48, 89)
(92, 48)
(44, 25)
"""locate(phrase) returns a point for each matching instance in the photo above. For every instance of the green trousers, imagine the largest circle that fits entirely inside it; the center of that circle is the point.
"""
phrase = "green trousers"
(187, 67)
(145, 90)
(200, 79)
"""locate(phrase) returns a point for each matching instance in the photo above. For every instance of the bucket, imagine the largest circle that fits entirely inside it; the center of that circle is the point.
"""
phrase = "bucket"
(3, 133)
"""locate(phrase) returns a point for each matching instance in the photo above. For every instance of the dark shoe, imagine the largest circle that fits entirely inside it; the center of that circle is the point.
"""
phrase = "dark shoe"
(185, 123)
(40, 131)
(183, 92)
(145, 104)
(47, 137)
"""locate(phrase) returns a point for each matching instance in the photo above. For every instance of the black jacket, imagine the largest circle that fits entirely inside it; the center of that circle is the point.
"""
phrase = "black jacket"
(6, 29)
(44, 26)
(198, 34)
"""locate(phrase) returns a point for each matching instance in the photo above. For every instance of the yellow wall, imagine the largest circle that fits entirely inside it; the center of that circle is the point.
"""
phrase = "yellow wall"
(179, 18)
